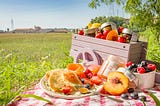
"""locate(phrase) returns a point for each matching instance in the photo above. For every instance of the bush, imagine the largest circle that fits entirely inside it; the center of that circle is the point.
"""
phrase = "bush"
(153, 50)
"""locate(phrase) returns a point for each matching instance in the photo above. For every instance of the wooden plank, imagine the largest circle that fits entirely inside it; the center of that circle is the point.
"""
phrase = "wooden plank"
(133, 51)
(97, 41)
(104, 56)
(101, 48)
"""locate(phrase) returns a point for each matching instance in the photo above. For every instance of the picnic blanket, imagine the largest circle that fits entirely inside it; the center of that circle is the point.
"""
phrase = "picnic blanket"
(95, 100)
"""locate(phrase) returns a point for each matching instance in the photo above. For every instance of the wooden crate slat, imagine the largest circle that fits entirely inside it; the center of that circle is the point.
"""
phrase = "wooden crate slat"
(104, 56)
(97, 41)
(101, 48)
(133, 51)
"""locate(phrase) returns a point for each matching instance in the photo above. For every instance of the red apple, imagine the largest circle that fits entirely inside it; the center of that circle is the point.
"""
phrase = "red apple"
(105, 32)
(80, 32)
(103, 37)
(99, 35)
(120, 29)
(121, 39)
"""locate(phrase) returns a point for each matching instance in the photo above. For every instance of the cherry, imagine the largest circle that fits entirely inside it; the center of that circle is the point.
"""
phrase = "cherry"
(129, 63)
(151, 66)
(141, 70)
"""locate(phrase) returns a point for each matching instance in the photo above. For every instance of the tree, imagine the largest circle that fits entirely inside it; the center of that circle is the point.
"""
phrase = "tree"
(144, 13)
(100, 19)
(144, 16)
(119, 21)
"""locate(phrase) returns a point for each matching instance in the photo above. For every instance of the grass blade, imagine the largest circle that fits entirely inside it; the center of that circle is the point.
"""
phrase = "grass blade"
(157, 101)
(33, 96)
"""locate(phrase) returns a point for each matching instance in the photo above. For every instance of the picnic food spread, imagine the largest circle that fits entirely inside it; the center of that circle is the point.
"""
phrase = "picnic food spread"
(74, 80)
(77, 81)
(89, 85)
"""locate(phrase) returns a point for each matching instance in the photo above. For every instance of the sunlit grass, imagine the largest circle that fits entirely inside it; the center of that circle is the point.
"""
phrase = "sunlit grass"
(25, 58)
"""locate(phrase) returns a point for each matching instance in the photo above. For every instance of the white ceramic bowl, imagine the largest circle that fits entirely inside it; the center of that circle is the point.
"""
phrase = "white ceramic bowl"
(145, 80)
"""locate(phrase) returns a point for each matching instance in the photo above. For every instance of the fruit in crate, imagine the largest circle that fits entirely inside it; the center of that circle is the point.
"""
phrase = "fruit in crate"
(96, 25)
(92, 29)
(112, 35)
(105, 32)
(120, 29)
(117, 83)
(81, 32)
(99, 35)
(89, 25)
(121, 39)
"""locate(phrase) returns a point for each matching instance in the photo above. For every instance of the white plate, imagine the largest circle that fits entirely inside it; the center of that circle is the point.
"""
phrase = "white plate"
(45, 87)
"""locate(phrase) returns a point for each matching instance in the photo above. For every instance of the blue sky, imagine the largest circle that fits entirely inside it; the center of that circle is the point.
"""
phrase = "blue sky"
(52, 13)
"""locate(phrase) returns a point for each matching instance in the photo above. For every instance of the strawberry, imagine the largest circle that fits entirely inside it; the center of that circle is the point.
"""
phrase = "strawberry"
(89, 75)
(151, 66)
(87, 71)
(96, 80)
(141, 70)
(66, 89)
(82, 75)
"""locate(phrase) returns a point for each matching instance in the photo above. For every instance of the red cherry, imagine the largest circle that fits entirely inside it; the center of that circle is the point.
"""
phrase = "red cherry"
(151, 66)
(121, 39)
(129, 63)
(141, 70)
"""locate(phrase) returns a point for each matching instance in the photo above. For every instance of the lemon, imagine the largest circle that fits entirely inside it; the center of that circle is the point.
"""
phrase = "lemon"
(96, 25)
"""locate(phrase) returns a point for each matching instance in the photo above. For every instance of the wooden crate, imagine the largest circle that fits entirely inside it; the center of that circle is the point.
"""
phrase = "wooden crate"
(133, 51)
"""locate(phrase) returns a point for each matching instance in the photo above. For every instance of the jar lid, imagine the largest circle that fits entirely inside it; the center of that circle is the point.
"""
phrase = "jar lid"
(127, 31)
(105, 24)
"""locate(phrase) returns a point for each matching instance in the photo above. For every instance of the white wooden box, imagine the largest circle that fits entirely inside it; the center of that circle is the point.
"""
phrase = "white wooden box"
(100, 49)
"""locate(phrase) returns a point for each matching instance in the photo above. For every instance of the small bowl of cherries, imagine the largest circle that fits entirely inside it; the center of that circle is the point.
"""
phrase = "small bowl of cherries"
(144, 73)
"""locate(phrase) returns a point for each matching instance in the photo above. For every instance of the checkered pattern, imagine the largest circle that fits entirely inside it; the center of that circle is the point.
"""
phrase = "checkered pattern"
(95, 100)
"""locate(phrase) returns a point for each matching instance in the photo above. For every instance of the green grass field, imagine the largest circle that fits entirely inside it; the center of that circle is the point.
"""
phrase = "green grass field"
(25, 58)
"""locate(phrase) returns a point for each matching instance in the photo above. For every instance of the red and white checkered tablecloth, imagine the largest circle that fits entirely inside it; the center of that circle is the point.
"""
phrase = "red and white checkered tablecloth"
(95, 100)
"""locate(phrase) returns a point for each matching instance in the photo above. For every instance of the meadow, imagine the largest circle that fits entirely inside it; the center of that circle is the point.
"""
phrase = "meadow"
(25, 58)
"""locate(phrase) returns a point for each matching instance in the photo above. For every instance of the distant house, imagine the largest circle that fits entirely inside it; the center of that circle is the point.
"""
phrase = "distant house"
(61, 31)
(49, 30)
(24, 30)
(38, 29)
